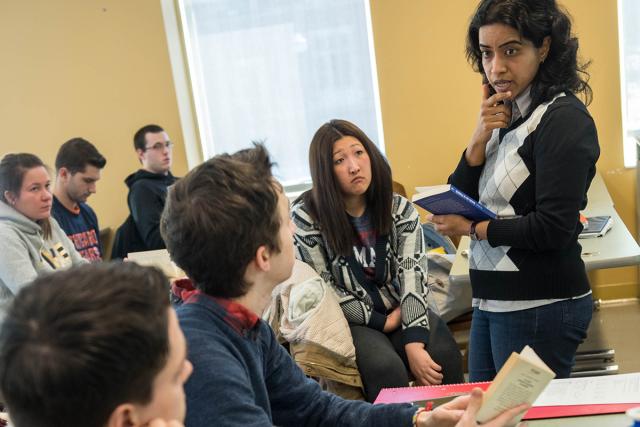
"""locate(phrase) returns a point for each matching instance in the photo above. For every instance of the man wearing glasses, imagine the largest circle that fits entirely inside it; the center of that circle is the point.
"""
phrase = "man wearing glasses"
(147, 193)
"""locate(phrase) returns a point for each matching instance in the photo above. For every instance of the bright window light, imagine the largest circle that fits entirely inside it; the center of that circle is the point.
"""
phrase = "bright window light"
(275, 70)
(629, 36)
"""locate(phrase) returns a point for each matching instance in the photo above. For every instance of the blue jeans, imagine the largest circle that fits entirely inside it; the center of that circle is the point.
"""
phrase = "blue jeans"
(554, 331)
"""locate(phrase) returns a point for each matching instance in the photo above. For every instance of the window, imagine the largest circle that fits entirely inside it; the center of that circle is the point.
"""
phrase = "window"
(275, 70)
(628, 17)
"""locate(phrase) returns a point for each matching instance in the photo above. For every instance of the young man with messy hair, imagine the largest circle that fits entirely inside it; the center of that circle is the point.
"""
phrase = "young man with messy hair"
(227, 225)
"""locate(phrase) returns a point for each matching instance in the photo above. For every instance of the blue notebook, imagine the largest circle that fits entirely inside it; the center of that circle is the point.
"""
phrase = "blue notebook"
(447, 199)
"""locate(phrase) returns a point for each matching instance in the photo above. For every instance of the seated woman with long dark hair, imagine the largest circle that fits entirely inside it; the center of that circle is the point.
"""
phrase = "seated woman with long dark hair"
(367, 243)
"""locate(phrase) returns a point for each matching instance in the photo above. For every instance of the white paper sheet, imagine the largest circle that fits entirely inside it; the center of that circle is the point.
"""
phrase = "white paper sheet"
(623, 388)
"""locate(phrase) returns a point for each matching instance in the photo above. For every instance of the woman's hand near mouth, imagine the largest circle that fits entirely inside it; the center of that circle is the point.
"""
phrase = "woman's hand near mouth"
(494, 114)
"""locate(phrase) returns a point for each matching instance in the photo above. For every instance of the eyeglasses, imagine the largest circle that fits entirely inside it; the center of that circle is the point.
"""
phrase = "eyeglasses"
(158, 146)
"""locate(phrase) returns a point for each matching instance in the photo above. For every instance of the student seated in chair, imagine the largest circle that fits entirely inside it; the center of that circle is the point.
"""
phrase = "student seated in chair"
(32, 241)
(147, 192)
(78, 169)
(94, 346)
(366, 242)
(227, 225)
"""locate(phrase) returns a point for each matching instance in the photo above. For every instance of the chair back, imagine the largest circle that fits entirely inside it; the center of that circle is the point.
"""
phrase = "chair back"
(433, 239)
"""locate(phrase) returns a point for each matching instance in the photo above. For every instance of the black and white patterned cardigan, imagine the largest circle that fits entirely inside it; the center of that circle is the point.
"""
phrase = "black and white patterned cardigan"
(405, 278)
(535, 177)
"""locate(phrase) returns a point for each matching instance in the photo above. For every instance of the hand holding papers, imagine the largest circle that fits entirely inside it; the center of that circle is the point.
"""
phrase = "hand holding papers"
(520, 380)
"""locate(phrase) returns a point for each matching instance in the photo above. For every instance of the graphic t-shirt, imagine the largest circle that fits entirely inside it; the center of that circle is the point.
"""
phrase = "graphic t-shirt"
(364, 243)
(81, 227)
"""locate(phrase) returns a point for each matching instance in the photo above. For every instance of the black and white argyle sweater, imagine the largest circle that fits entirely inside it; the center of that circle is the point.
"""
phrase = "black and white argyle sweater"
(401, 272)
(535, 176)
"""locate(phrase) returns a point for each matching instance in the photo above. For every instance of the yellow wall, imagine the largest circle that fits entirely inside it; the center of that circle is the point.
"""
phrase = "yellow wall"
(100, 69)
(96, 69)
(430, 98)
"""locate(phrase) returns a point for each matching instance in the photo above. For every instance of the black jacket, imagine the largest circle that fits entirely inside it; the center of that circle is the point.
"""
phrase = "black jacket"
(141, 230)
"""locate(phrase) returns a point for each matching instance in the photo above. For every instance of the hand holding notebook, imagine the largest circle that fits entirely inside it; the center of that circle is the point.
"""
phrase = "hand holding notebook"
(447, 199)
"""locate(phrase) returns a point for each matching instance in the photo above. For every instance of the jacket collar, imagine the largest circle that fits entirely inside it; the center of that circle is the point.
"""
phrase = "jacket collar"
(238, 317)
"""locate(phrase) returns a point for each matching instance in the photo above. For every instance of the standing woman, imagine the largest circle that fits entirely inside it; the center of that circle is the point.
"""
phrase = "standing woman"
(531, 160)
(31, 241)
(367, 244)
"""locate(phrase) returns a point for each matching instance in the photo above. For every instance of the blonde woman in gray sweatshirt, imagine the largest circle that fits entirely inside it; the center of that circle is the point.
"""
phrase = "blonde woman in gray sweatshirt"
(31, 241)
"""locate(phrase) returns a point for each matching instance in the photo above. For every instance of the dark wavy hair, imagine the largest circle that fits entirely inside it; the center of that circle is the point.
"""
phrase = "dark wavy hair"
(76, 154)
(324, 200)
(534, 20)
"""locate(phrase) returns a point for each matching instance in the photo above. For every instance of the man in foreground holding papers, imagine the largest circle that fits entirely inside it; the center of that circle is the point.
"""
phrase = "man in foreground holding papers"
(94, 346)
(242, 375)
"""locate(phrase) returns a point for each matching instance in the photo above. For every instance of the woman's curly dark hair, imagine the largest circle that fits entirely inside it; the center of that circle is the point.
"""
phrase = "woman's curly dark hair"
(534, 20)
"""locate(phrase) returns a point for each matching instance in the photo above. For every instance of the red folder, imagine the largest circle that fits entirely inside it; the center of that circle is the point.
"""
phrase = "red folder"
(538, 412)
(414, 394)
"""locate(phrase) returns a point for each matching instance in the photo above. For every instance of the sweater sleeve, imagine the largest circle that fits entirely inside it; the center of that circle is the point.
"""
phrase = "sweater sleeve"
(565, 152)
(299, 401)
(93, 219)
(310, 248)
(232, 396)
(466, 177)
(146, 207)
(411, 271)
(222, 397)
(16, 267)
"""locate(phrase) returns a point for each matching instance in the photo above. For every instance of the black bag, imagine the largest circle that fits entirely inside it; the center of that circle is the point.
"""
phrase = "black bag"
(127, 240)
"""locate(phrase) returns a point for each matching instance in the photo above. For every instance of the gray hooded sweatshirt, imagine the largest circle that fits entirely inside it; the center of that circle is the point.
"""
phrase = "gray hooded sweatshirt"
(25, 254)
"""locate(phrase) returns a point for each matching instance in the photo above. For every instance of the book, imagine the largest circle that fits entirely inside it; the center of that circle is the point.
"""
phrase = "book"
(520, 380)
(158, 258)
(447, 199)
(596, 226)
(605, 394)
(598, 390)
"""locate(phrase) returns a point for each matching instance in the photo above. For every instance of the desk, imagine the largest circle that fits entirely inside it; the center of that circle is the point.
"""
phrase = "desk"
(610, 420)
(598, 195)
(617, 248)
